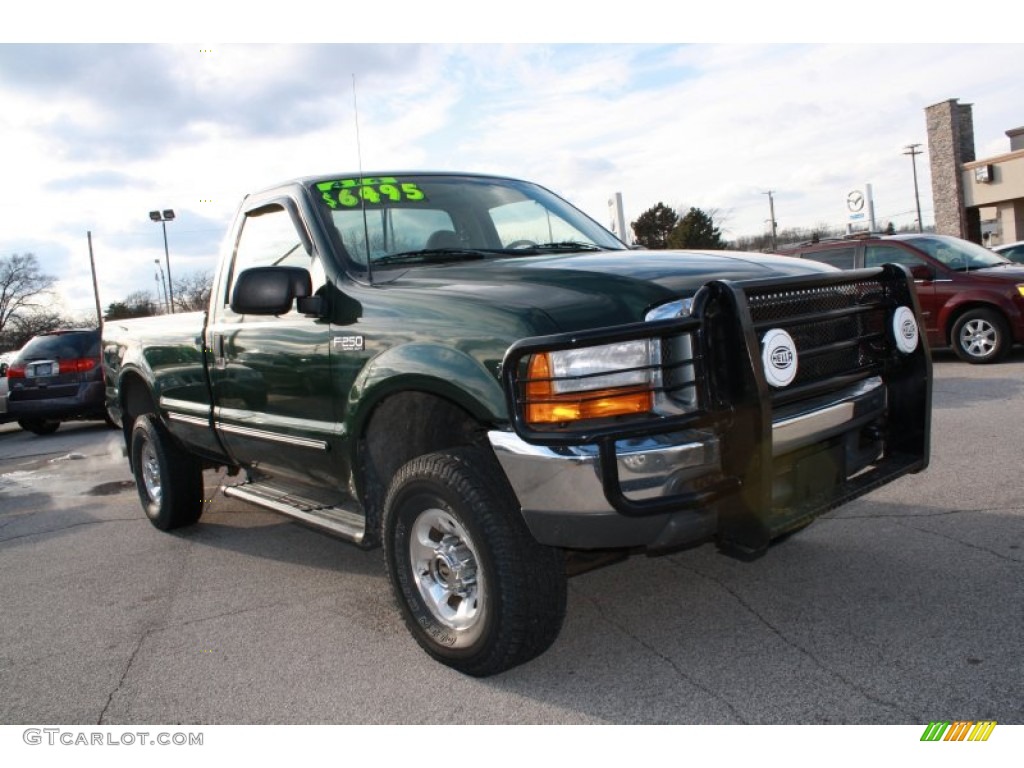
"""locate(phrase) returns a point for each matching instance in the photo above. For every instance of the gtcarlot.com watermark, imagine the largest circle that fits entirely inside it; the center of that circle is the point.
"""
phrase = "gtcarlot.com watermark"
(71, 738)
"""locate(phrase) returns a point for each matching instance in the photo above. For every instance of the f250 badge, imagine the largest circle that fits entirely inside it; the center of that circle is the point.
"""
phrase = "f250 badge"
(779, 358)
(348, 343)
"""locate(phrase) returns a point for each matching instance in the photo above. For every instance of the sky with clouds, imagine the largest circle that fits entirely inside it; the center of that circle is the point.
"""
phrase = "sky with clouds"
(97, 135)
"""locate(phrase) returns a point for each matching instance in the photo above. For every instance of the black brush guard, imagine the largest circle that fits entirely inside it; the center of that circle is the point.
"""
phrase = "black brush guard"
(842, 326)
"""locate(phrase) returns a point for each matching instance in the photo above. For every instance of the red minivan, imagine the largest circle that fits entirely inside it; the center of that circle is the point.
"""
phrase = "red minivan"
(971, 298)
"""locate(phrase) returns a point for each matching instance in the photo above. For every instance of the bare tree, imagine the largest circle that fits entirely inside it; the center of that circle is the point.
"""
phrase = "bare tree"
(22, 286)
(192, 292)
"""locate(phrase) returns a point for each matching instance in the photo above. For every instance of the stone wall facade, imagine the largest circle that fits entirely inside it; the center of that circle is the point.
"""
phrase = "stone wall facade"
(950, 145)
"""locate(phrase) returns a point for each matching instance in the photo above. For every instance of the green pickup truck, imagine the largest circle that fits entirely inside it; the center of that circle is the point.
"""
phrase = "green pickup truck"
(474, 375)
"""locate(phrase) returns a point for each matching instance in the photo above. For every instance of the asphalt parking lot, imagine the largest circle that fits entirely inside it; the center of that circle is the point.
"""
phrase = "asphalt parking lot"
(903, 607)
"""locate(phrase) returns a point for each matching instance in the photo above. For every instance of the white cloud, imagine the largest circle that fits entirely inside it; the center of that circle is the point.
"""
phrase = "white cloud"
(712, 126)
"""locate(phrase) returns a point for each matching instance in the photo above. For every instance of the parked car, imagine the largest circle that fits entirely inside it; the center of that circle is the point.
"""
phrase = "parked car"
(972, 299)
(1011, 251)
(5, 362)
(56, 377)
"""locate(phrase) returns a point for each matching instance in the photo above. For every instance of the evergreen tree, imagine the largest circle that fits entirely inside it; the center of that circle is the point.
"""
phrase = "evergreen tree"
(696, 230)
(654, 225)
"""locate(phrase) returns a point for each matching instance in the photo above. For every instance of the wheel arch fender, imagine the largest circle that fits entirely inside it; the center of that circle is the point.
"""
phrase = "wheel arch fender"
(443, 371)
(134, 398)
(437, 398)
(964, 302)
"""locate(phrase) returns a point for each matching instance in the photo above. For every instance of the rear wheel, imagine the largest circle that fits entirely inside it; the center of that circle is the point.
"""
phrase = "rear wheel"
(981, 336)
(39, 426)
(169, 480)
(477, 592)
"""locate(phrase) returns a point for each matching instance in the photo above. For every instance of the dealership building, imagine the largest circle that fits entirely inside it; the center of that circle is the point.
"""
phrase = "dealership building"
(979, 199)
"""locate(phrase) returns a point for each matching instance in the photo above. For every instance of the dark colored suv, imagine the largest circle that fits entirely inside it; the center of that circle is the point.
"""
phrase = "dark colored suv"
(971, 298)
(56, 377)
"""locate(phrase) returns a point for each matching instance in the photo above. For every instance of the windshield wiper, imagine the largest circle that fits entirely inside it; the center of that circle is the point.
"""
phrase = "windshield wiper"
(569, 245)
(431, 256)
(564, 245)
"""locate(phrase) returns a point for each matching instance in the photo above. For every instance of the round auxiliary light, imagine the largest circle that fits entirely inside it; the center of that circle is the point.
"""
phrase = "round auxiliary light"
(779, 358)
(904, 330)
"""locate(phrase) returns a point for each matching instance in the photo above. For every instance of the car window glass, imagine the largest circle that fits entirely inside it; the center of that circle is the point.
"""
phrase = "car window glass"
(836, 257)
(529, 221)
(62, 346)
(961, 255)
(391, 229)
(269, 239)
(1015, 252)
(877, 255)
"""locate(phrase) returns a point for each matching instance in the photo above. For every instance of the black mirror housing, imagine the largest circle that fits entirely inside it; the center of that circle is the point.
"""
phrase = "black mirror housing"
(922, 272)
(270, 290)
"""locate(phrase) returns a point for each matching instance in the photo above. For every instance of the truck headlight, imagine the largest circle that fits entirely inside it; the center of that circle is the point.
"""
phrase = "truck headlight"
(592, 382)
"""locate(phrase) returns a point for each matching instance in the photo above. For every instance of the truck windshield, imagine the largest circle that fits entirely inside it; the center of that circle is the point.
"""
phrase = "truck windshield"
(388, 221)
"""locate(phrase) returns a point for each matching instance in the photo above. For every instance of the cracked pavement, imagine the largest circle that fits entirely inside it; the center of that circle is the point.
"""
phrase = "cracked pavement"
(902, 607)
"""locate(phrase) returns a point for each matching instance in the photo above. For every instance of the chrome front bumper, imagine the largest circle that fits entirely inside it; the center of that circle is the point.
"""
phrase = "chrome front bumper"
(563, 500)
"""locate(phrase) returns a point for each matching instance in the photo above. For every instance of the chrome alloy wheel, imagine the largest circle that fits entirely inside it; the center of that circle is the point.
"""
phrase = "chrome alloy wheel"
(978, 337)
(449, 580)
(151, 472)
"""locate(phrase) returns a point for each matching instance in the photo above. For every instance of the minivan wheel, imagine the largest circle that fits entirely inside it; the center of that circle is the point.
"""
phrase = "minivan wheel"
(981, 336)
(39, 426)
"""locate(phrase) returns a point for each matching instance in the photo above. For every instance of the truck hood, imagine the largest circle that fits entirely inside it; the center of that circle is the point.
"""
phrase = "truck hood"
(586, 290)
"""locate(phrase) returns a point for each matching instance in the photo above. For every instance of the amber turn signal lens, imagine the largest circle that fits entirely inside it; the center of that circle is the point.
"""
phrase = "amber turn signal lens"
(543, 406)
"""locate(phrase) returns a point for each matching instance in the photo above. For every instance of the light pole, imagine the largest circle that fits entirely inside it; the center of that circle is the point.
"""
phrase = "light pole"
(913, 151)
(159, 277)
(774, 223)
(163, 217)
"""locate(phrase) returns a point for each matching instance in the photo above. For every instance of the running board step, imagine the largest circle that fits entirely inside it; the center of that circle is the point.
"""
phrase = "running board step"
(341, 522)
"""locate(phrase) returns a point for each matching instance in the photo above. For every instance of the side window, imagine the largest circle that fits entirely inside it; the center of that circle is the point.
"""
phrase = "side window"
(269, 239)
(836, 257)
(877, 255)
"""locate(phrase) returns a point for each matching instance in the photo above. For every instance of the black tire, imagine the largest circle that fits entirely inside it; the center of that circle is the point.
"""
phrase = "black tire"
(981, 336)
(477, 592)
(110, 420)
(169, 480)
(39, 426)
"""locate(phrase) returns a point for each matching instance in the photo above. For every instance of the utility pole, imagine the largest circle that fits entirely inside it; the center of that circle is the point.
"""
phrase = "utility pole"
(95, 285)
(774, 223)
(913, 151)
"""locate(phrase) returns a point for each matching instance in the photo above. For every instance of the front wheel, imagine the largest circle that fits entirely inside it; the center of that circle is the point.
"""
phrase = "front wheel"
(478, 593)
(169, 480)
(981, 336)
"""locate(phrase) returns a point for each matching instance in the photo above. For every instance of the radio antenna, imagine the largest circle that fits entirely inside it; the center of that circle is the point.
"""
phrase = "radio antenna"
(362, 200)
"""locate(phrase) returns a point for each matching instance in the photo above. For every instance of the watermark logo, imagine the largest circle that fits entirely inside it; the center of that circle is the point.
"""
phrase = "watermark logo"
(959, 730)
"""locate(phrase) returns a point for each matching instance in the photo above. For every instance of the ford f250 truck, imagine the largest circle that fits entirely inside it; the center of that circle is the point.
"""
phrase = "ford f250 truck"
(474, 375)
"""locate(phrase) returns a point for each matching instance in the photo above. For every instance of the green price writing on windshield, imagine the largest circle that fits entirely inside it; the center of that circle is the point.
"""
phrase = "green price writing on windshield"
(351, 193)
